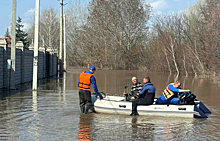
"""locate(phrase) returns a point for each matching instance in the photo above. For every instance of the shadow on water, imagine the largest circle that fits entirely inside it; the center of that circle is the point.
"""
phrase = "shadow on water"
(43, 84)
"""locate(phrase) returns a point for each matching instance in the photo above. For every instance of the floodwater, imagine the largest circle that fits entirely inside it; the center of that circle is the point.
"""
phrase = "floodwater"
(53, 113)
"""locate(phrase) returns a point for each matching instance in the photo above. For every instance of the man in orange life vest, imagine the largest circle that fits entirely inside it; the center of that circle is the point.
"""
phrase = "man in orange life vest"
(84, 82)
(170, 94)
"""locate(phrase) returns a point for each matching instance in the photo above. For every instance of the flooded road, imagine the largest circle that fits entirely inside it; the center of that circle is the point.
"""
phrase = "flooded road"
(53, 113)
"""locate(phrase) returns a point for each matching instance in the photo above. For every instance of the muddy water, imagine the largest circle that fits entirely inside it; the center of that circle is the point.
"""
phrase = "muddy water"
(53, 113)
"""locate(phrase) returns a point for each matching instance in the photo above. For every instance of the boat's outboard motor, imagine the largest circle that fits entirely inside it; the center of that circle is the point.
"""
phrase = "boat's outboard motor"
(187, 98)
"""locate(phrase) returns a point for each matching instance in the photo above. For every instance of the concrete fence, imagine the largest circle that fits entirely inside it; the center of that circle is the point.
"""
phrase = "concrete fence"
(47, 63)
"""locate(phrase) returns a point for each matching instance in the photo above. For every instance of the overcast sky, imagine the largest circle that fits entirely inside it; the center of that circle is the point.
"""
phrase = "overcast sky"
(25, 8)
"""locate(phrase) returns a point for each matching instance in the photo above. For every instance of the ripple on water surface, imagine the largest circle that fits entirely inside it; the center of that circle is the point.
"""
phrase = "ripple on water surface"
(53, 115)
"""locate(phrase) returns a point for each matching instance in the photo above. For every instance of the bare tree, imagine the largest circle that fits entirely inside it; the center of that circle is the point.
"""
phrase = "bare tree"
(114, 31)
(76, 16)
(49, 29)
(115, 34)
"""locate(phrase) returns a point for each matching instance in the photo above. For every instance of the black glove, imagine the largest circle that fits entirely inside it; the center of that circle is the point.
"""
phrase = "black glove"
(100, 96)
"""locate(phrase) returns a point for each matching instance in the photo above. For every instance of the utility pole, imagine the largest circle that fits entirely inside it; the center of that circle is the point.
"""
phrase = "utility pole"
(64, 49)
(35, 61)
(61, 39)
(13, 49)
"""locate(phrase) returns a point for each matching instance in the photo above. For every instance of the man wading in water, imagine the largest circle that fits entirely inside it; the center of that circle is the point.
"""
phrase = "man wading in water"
(84, 82)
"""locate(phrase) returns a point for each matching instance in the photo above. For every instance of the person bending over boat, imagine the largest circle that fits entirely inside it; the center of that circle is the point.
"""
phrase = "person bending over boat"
(84, 82)
(145, 97)
(135, 89)
(170, 94)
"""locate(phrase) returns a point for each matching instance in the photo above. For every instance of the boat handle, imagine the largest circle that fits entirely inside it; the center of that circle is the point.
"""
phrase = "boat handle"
(124, 106)
(181, 108)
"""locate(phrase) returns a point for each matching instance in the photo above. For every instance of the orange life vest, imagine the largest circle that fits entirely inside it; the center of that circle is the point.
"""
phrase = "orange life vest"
(85, 81)
(168, 93)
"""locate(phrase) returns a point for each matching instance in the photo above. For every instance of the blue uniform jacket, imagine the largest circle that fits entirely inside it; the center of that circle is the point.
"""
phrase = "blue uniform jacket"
(149, 87)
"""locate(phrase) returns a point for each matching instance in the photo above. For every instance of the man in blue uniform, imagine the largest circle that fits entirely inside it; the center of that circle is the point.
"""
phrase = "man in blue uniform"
(170, 94)
(84, 82)
(145, 97)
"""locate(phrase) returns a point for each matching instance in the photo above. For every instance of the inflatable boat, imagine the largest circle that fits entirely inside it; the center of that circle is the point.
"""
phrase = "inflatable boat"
(118, 105)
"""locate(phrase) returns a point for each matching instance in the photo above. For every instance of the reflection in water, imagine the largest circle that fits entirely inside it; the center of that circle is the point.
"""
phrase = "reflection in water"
(64, 82)
(134, 127)
(61, 84)
(84, 128)
(143, 130)
(34, 97)
(54, 114)
(35, 115)
(64, 87)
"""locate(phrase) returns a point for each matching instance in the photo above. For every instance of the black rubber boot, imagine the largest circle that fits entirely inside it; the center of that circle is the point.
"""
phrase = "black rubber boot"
(87, 107)
(92, 109)
(134, 113)
(82, 108)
